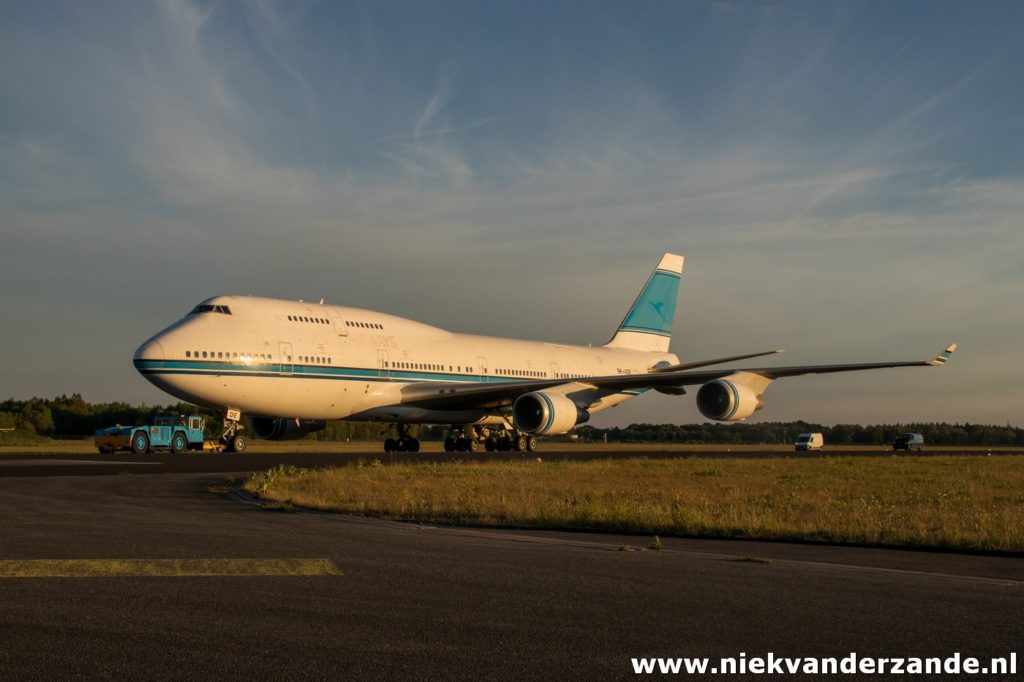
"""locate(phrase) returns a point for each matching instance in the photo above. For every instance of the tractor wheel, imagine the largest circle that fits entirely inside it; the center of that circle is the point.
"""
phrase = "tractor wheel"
(140, 443)
(179, 443)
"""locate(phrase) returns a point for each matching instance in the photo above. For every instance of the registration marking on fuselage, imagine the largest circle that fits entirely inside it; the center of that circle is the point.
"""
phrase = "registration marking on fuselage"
(164, 568)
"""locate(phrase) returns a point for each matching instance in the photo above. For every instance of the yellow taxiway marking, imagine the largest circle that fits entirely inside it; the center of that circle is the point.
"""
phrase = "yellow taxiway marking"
(163, 568)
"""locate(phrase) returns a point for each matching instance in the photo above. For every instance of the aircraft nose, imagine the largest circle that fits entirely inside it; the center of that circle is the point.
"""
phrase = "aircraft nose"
(151, 350)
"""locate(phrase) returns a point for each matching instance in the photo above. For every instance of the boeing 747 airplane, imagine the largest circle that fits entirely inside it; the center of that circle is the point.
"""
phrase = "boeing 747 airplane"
(290, 366)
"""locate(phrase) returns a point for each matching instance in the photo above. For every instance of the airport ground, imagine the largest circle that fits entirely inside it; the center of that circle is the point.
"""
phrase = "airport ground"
(407, 600)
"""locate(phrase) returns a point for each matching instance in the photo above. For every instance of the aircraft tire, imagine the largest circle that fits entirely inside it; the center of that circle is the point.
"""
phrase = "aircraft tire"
(449, 445)
(414, 445)
(531, 444)
(520, 443)
(389, 445)
(237, 444)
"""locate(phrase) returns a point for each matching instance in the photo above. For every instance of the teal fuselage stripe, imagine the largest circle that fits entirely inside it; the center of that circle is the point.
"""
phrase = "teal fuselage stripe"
(274, 370)
(305, 372)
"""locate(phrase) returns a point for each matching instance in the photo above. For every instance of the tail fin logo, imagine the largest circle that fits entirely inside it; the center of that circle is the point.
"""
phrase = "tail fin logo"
(654, 310)
(658, 308)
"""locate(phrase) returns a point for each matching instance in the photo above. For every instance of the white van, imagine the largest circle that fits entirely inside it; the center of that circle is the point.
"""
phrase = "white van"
(810, 441)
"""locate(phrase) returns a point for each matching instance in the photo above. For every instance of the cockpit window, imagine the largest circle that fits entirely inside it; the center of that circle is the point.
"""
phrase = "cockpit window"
(206, 308)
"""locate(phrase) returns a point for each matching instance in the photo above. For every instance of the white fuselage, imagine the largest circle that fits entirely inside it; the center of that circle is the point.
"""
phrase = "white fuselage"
(278, 358)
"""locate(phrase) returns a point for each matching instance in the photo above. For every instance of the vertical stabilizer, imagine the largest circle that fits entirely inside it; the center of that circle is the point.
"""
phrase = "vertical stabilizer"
(648, 324)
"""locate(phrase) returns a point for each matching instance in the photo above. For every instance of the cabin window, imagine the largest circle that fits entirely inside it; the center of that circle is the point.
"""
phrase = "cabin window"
(188, 354)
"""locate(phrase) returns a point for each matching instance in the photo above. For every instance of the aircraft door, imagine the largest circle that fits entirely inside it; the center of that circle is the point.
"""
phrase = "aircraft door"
(554, 370)
(287, 364)
(482, 367)
(385, 370)
(340, 328)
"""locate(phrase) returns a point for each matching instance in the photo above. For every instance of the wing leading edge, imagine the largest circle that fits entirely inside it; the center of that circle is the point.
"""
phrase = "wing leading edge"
(459, 396)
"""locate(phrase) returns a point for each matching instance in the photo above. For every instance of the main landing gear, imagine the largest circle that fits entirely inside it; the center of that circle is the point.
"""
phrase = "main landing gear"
(470, 438)
(404, 442)
(231, 439)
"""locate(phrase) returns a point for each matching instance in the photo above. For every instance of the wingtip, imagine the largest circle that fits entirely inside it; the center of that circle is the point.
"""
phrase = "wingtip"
(941, 358)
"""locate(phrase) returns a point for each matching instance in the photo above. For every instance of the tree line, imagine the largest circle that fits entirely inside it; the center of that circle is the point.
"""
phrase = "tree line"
(73, 417)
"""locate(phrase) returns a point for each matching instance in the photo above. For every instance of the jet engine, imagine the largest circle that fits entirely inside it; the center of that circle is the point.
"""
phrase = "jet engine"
(273, 428)
(727, 401)
(543, 413)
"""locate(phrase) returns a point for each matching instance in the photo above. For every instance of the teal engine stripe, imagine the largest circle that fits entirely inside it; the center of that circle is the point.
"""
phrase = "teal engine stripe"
(735, 399)
(551, 412)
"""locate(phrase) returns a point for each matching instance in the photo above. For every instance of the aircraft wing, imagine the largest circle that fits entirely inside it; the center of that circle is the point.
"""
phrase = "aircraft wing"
(455, 395)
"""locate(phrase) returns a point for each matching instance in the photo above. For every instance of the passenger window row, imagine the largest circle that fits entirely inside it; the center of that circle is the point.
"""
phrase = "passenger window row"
(522, 373)
(314, 360)
(311, 320)
(430, 367)
(364, 325)
(218, 355)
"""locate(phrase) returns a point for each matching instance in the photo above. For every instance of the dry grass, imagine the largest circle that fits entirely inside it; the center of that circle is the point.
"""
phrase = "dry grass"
(948, 502)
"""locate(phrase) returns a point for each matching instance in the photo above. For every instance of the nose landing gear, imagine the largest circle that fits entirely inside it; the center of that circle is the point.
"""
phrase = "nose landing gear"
(231, 439)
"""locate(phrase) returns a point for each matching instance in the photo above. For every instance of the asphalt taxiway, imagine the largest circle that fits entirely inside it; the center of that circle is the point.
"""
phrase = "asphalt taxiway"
(430, 603)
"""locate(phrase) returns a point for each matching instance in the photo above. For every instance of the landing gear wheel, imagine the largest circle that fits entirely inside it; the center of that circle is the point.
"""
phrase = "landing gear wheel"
(390, 445)
(140, 443)
(235, 444)
(449, 445)
(472, 444)
(401, 445)
(491, 444)
(413, 445)
(531, 443)
(179, 443)
(520, 443)
(504, 444)
(461, 444)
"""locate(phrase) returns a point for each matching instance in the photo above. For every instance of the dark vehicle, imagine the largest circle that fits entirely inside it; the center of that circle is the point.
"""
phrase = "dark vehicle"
(908, 441)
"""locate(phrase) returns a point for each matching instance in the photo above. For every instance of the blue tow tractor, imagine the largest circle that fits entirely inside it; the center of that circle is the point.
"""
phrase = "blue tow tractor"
(177, 434)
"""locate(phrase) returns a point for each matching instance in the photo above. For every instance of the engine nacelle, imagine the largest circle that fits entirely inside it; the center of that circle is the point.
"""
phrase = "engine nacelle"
(727, 401)
(540, 413)
(273, 428)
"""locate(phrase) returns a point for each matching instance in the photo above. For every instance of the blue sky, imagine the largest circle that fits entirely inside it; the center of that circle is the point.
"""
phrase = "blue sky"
(845, 180)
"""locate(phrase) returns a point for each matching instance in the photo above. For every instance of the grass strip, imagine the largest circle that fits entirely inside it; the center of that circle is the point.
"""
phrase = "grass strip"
(163, 568)
(966, 503)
